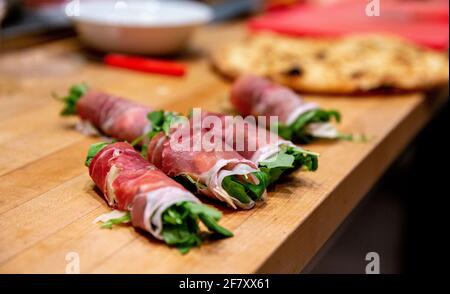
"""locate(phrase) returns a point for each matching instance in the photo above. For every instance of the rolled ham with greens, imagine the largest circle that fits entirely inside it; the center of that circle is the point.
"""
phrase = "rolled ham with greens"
(225, 176)
(273, 155)
(106, 114)
(143, 195)
(210, 170)
(298, 120)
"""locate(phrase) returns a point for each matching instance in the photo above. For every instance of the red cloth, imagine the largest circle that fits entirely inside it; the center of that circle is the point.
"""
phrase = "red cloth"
(423, 22)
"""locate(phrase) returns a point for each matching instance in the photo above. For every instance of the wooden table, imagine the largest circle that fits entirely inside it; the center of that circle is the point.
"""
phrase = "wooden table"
(47, 201)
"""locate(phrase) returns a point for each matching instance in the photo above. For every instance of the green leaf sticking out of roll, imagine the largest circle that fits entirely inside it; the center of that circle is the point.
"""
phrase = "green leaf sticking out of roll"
(181, 229)
(297, 130)
(70, 101)
(181, 225)
(93, 150)
(161, 121)
(236, 186)
(288, 159)
(190, 183)
(241, 188)
(116, 221)
(180, 221)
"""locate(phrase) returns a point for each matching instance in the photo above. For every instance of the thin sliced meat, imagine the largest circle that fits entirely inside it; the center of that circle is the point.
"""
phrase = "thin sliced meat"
(251, 141)
(177, 155)
(130, 183)
(114, 116)
(257, 96)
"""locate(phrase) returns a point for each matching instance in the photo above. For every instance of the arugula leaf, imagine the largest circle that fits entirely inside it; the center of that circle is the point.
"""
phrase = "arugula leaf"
(259, 189)
(349, 137)
(174, 217)
(197, 209)
(70, 101)
(212, 225)
(281, 159)
(235, 189)
(180, 225)
(296, 131)
(138, 140)
(144, 147)
(272, 174)
(288, 159)
(93, 150)
(116, 221)
(189, 183)
(209, 217)
(161, 121)
(156, 118)
(243, 190)
(190, 113)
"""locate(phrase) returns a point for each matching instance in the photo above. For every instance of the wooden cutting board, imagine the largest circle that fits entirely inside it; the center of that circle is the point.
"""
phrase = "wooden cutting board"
(47, 201)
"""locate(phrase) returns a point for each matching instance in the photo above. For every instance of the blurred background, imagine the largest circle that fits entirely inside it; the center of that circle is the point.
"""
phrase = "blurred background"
(398, 218)
(422, 21)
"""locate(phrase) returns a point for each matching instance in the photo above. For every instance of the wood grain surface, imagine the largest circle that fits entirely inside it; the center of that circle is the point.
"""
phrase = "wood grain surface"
(47, 201)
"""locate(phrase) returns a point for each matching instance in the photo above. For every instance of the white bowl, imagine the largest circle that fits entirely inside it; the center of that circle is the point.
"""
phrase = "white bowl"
(138, 26)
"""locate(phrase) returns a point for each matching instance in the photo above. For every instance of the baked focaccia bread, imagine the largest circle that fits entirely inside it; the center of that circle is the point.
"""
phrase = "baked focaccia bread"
(351, 64)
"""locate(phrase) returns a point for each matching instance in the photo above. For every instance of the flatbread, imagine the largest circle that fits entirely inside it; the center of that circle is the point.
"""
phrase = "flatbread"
(351, 64)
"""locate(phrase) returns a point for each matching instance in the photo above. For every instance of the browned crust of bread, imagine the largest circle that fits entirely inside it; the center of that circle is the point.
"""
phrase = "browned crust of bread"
(354, 64)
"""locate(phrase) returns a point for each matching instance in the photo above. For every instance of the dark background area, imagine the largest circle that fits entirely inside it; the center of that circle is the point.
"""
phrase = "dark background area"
(404, 217)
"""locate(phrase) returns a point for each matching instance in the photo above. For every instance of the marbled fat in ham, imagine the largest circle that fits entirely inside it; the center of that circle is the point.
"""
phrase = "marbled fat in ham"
(249, 140)
(114, 116)
(130, 183)
(257, 96)
(207, 165)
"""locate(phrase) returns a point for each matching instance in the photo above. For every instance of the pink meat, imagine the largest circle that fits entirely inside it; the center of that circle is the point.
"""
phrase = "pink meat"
(136, 177)
(257, 96)
(245, 137)
(114, 116)
(194, 163)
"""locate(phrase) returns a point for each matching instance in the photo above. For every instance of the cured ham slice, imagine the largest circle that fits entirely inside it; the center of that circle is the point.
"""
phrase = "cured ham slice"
(129, 121)
(297, 119)
(271, 153)
(111, 115)
(151, 199)
(216, 170)
(252, 142)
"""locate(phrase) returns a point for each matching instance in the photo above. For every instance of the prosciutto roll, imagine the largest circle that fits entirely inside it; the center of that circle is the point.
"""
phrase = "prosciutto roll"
(217, 172)
(111, 115)
(125, 120)
(146, 197)
(274, 155)
(297, 119)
